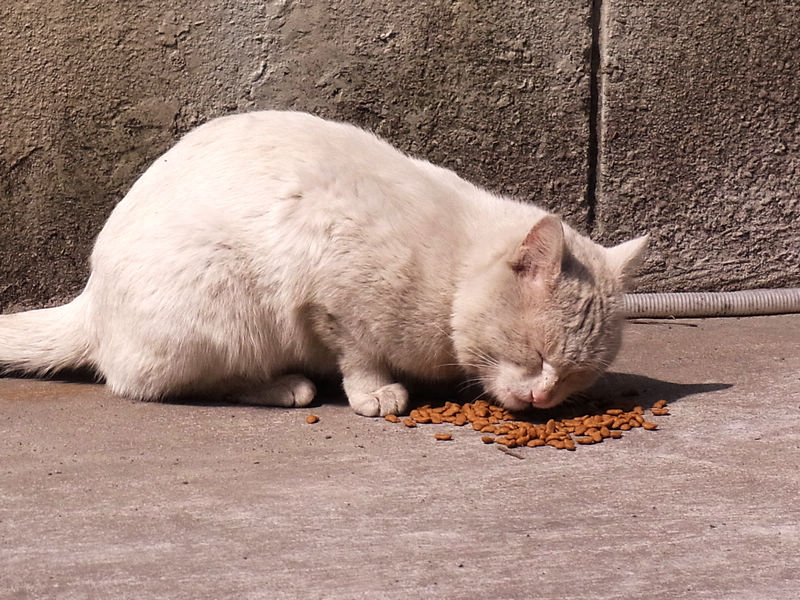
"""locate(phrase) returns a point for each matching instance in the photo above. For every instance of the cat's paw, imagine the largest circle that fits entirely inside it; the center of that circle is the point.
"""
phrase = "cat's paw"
(390, 399)
(288, 391)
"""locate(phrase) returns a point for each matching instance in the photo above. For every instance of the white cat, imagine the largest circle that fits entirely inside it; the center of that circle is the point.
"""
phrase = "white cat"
(268, 246)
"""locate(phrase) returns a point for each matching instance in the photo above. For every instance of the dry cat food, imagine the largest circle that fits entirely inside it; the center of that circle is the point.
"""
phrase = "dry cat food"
(500, 426)
(310, 419)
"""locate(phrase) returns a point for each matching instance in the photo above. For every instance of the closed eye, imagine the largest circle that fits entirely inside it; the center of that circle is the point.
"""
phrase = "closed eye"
(582, 377)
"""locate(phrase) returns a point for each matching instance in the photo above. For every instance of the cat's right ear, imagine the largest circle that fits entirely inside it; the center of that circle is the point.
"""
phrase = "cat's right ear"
(626, 258)
(539, 255)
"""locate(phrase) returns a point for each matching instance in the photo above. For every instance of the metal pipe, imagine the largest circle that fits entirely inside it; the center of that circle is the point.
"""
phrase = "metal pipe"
(713, 304)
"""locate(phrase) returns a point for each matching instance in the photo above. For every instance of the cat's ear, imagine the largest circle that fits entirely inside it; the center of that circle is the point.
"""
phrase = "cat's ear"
(540, 254)
(625, 259)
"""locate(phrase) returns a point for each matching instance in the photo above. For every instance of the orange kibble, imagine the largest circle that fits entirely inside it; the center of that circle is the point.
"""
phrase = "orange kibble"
(509, 431)
(506, 441)
(310, 419)
(607, 421)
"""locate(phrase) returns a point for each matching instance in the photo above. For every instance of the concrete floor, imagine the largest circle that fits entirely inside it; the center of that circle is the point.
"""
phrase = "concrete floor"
(101, 497)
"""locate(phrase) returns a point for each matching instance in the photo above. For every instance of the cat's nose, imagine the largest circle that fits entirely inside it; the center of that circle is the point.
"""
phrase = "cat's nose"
(541, 397)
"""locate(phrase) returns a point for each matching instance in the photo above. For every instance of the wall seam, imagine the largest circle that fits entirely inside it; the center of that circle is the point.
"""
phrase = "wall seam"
(593, 150)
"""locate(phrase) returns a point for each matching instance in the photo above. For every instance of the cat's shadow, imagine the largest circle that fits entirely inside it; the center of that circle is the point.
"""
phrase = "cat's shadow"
(630, 388)
(613, 390)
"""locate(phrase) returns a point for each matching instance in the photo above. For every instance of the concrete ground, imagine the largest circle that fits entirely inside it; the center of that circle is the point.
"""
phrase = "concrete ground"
(101, 497)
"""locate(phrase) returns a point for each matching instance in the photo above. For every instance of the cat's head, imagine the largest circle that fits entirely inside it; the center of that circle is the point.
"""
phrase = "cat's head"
(544, 320)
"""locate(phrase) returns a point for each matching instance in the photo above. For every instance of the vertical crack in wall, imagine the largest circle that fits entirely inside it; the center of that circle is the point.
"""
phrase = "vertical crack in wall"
(593, 151)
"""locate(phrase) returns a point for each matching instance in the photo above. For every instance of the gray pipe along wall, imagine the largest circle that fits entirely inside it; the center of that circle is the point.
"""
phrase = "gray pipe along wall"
(713, 304)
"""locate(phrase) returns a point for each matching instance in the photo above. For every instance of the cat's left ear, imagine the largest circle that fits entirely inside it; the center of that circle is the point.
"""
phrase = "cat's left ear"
(539, 256)
(626, 258)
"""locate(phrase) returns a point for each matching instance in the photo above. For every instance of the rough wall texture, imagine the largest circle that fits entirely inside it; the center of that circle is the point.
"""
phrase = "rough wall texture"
(700, 139)
(698, 132)
(94, 91)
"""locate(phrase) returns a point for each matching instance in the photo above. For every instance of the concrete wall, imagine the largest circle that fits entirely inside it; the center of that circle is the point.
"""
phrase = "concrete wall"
(696, 118)
(700, 139)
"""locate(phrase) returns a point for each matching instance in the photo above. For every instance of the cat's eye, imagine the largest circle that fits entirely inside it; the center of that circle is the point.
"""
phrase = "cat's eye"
(578, 377)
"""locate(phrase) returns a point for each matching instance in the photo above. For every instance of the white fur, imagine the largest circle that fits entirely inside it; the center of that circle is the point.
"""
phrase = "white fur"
(270, 244)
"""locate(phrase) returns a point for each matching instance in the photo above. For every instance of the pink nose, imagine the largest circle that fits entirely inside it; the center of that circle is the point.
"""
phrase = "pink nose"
(541, 397)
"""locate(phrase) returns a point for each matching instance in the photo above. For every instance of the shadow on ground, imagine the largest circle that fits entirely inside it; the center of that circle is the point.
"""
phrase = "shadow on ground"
(613, 390)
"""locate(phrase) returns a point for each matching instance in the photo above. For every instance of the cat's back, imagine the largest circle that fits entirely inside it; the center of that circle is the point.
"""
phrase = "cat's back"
(244, 161)
(266, 168)
(289, 146)
(283, 138)
(280, 183)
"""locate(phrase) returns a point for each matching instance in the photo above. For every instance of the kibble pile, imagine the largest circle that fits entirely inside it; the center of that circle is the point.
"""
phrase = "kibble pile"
(500, 426)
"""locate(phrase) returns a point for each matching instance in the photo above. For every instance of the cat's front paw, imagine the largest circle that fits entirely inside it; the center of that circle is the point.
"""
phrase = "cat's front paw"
(390, 399)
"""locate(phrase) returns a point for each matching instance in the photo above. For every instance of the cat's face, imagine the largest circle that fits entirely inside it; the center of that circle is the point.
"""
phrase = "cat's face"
(551, 322)
(554, 349)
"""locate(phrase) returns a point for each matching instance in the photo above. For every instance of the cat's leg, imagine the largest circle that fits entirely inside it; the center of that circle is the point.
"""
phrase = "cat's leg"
(368, 384)
(286, 390)
(371, 392)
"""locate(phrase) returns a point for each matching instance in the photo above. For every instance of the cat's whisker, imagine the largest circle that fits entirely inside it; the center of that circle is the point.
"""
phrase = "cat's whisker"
(481, 396)
(464, 364)
(486, 360)
(442, 330)
(467, 383)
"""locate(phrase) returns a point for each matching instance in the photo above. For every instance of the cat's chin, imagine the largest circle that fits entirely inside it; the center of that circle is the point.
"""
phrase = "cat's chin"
(513, 402)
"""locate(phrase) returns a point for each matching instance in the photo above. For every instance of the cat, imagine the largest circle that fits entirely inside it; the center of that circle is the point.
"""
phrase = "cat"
(265, 248)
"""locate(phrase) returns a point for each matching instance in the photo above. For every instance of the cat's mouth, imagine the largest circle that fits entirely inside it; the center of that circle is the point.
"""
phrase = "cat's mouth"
(521, 401)
(543, 402)
(517, 388)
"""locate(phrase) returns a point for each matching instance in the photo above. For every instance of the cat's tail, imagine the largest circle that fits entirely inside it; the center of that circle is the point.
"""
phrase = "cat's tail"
(46, 340)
